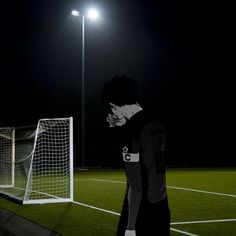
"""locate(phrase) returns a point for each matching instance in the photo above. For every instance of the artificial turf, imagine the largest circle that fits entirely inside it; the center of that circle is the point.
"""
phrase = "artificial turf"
(185, 205)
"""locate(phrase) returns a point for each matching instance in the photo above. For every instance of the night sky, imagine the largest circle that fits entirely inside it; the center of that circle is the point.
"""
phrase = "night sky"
(151, 41)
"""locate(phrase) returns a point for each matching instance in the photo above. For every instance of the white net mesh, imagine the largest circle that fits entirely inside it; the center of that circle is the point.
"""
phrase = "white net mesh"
(6, 157)
(43, 162)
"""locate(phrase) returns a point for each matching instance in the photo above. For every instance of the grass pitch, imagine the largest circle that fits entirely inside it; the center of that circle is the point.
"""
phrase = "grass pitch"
(202, 202)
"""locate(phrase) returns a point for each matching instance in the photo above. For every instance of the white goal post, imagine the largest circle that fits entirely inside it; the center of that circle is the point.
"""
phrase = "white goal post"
(36, 162)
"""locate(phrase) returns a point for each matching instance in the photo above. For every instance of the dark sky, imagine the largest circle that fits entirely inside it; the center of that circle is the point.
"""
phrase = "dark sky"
(152, 41)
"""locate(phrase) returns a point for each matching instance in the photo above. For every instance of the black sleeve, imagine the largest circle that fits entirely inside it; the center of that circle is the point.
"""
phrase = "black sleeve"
(153, 136)
(152, 142)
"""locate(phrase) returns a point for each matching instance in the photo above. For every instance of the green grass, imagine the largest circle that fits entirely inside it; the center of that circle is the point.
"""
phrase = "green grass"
(70, 219)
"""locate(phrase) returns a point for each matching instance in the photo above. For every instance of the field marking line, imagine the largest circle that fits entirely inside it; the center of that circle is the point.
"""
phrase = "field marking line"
(172, 187)
(203, 221)
(225, 172)
(118, 214)
(182, 232)
(202, 191)
(173, 223)
(96, 208)
(109, 181)
(213, 172)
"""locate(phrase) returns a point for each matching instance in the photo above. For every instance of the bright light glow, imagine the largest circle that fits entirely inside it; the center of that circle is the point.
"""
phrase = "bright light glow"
(93, 14)
(75, 13)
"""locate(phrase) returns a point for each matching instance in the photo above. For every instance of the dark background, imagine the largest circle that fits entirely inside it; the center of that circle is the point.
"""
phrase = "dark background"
(164, 45)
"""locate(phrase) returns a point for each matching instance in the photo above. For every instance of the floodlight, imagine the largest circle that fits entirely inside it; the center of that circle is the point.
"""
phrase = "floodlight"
(75, 13)
(93, 14)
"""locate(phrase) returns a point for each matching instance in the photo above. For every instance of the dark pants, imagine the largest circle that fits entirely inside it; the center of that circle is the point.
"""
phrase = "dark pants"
(153, 219)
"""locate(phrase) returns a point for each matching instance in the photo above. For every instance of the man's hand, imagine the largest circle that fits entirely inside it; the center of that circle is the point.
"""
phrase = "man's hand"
(113, 120)
(130, 233)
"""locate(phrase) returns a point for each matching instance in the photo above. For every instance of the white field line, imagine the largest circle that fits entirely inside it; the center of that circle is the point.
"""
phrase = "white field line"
(173, 223)
(202, 191)
(172, 187)
(203, 222)
(182, 232)
(102, 180)
(213, 172)
(225, 172)
(109, 181)
(118, 214)
(97, 208)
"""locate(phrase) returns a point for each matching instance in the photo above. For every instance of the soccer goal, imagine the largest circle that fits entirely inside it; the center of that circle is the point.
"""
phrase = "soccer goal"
(36, 162)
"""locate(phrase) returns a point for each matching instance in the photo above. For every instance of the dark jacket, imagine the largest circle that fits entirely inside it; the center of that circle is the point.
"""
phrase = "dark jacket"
(142, 147)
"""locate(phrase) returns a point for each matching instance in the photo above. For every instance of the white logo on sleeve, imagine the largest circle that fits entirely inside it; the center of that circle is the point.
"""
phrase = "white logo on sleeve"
(129, 157)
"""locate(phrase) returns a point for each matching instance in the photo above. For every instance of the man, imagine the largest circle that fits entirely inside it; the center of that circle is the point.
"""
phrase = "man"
(145, 210)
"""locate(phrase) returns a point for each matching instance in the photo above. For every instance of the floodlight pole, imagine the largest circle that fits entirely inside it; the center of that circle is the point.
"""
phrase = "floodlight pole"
(83, 96)
(93, 14)
(76, 13)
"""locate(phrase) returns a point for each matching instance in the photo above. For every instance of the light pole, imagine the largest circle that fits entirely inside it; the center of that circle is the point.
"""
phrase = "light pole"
(93, 14)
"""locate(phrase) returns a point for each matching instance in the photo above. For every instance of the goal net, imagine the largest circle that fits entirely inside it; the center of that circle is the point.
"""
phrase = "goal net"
(36, 163)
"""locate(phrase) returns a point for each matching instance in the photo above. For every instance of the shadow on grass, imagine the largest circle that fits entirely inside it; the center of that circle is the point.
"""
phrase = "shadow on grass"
(61, 219)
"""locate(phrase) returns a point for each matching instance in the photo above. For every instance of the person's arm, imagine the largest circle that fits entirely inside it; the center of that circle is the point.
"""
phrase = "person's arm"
(152, 140)
(152, 143)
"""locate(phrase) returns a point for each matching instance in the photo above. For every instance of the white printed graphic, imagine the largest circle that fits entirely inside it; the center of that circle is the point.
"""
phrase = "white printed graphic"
(129, 157)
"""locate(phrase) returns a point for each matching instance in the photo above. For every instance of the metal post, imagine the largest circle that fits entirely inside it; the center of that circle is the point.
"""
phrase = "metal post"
(83, 98)
(92, 14)
(71, 161)
(13, 157)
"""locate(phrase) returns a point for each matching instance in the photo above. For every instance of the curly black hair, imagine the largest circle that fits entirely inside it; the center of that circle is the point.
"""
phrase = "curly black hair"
(120, 90)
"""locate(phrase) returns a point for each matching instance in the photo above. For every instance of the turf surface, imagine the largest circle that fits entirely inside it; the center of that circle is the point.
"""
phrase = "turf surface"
(194, 195)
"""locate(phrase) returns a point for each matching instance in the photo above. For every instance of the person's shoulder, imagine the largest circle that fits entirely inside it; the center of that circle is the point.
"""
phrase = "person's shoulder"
(150, 121)
(153, 135)
(153, 127)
